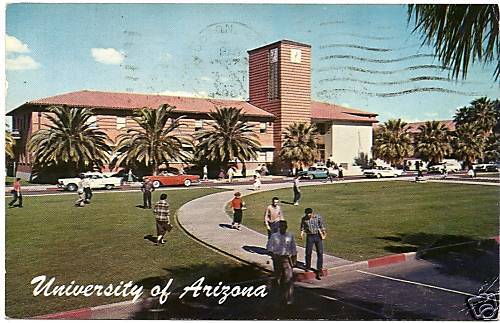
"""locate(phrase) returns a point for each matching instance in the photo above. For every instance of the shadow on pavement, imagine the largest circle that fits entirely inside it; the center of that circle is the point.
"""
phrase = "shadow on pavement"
(255, 249)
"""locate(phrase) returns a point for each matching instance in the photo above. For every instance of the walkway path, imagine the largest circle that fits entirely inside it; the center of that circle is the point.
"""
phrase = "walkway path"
(206, 219)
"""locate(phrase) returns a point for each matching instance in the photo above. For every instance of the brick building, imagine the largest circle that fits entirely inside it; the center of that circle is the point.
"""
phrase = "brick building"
(279, 94)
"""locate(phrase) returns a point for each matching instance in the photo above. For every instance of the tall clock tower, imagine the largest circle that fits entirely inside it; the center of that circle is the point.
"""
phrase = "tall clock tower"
(280, 83)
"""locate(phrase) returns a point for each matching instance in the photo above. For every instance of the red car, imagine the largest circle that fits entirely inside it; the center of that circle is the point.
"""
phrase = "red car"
(170, 179)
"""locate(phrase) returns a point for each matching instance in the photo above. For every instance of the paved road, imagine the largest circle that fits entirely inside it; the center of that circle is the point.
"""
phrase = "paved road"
(434, 287)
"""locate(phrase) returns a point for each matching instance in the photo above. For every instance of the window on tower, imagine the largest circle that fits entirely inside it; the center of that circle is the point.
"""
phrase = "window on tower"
(273, 81)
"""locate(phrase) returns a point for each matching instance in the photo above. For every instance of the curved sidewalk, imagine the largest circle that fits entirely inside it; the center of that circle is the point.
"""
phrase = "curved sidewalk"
(206, 219)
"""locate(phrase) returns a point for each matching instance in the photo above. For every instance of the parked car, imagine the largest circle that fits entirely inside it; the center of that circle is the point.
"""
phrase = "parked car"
(452, 165)
(96, 179)
(171, 179)
(383, 171)
(485, 168)
(314, 172)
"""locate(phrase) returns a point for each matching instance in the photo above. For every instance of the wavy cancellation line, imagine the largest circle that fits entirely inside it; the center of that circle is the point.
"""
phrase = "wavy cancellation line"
(394, 94)
(410, 80)
(372, 60)
(373, 49)
(359, 36)
(358, 69)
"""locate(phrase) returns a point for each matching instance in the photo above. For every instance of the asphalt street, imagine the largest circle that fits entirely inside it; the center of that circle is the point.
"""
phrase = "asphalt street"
(436, 286)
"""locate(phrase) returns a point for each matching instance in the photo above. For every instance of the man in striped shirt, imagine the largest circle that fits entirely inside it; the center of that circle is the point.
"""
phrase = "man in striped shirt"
(312, 226)
(162, 215)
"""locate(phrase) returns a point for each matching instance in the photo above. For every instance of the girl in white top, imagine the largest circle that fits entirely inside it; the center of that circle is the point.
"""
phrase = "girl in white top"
(257, 183)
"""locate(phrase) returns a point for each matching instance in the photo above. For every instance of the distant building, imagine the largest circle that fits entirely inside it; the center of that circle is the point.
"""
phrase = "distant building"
(279, 94)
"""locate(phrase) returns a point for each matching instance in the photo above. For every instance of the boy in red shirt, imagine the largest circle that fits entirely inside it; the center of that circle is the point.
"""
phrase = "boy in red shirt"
(237, 204)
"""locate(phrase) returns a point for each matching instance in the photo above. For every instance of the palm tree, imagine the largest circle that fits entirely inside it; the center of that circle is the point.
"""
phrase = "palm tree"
(70, 140)
(9, 145)
(154, 142)
(392, 142)
(482, 112)
(228, 138)
(459, 33)
(299, 146)
(468, 143)
(433, 141)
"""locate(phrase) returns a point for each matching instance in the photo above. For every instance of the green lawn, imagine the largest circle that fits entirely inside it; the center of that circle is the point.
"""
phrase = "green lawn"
(101, 243)
(372, 219)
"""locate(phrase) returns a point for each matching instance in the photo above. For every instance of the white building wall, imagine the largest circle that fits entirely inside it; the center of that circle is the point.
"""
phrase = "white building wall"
(350, 139)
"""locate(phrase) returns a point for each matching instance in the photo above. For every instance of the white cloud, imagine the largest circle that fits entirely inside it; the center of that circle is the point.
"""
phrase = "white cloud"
(21, 62)
(14, 45)
(107, 56)
(198, 94)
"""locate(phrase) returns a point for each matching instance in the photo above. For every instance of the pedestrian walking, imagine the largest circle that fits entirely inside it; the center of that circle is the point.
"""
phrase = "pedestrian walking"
(272, 216)
(237, 205)
(418, 166)
(80, 202)
(244, 171)
(471, 173)
(86, 188)
(16, 194)
(341, 173)
(162, 217)
(296, 190)
(230, 174)
(283, 250)
(313, 228)
(445, 171)
(205, 172)
(256, 182)
(222, 175)
(147, 189)
(331, 173)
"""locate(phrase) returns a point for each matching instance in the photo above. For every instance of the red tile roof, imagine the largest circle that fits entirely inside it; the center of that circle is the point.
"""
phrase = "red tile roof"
(413, 126)
(119, 101)
(112, 100)
(328, 111)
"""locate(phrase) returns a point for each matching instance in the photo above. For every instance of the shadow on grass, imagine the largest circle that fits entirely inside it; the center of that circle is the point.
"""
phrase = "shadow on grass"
(471, 258)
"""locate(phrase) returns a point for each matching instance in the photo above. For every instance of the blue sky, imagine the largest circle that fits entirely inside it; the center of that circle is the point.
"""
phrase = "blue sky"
(364, 56)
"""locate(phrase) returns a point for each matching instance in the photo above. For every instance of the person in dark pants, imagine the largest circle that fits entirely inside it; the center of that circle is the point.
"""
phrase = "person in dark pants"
(313, 227)
(272, 216)
(237, 205)
(16, 192)
(147, 189)
(283, 250)
(244, 171)
(296, 190)
(86, 189)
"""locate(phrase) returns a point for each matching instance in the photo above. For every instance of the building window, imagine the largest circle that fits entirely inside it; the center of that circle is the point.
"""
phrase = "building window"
(263, 127)
(321, 128)
(273, 81)
(92, 121)
(198, 124)
(121, 122)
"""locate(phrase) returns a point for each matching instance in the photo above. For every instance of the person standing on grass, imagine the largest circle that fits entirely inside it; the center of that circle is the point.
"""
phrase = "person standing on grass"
(86, 189)
(272, 216)
(296, 190)
(331, 173)
(16, 193)
(313, 227)
(237, 205)
(162, 216)
(81, 196)
(445, 171)
(283, 250)
(147, 189)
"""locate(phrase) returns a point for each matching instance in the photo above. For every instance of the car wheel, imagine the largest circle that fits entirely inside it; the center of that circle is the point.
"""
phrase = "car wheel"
(72, 187)
(109, 186)
(187, 182)
(156, 184)
(379, 175)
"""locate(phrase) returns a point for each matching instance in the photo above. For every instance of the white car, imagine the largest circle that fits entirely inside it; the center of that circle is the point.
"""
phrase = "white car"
(452, 166)
(382, 171)
(96, 179)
